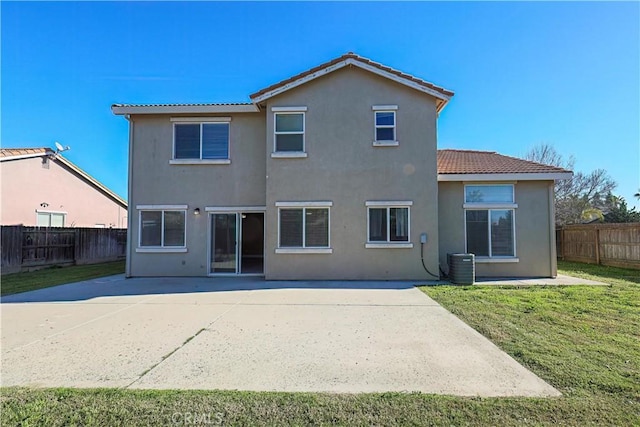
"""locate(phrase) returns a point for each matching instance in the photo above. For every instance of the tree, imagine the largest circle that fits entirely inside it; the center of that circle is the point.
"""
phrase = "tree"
(637, 195)
(619, 212)
(581, 198)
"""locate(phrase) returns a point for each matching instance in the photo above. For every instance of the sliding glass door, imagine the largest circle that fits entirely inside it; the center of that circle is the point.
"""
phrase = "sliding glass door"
(236, 243)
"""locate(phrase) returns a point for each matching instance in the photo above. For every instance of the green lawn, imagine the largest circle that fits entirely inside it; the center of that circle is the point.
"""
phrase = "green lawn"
(23, 282)
(583, 340)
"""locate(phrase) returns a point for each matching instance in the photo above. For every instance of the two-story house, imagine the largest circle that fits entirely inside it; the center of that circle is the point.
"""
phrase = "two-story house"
(331, 174)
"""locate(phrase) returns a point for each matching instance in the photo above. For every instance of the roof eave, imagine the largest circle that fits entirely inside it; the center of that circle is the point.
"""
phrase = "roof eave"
(120, 110)
(536, 176)
(25, 156)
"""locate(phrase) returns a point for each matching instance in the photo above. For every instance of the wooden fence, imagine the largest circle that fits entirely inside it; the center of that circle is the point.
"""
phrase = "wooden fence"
(26, 248)
(607, 244)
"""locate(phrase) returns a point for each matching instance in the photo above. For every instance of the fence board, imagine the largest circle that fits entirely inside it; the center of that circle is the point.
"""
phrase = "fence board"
(29, 247)
(607, 244)
(11, 249)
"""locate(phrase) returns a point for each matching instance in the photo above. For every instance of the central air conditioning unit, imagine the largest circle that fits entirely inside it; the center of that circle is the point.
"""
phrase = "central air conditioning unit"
(462, 268)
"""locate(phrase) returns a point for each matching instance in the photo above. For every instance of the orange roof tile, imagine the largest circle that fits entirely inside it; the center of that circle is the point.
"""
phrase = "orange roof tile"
(488, 162)
(358, 58)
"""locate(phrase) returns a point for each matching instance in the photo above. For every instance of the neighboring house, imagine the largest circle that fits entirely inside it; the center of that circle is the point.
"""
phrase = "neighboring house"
(331, 174)
(41, 187)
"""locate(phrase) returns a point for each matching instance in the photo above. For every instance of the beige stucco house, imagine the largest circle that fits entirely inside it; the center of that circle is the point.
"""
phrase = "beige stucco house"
(41, 187)
(331, 174)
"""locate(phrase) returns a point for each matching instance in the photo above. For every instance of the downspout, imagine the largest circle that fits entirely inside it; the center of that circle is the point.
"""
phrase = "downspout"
(127, 271)
(552, 232)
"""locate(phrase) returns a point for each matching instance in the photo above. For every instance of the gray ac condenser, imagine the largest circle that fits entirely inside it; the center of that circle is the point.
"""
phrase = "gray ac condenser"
(462, 268)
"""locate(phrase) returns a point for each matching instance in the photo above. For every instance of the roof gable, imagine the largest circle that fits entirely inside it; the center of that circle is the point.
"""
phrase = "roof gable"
(7, 154)
(351, 59)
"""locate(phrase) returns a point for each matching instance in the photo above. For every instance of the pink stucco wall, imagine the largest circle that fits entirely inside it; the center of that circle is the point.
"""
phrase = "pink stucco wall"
(27, 183)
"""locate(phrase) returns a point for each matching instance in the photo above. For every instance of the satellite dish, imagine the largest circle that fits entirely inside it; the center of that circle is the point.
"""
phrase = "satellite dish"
(59, 146)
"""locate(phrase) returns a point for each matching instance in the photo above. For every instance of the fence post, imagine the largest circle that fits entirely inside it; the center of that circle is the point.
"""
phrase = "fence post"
(76, 245)
(597, 245)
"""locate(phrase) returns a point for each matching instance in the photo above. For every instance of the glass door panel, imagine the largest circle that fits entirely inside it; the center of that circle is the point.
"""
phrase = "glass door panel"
(224, 243)
(252, 243)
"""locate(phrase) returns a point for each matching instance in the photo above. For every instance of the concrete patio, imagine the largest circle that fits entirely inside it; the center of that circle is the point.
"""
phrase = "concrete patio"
(251, 334)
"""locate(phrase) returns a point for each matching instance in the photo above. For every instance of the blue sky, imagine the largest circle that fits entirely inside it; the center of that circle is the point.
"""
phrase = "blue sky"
(567, 74)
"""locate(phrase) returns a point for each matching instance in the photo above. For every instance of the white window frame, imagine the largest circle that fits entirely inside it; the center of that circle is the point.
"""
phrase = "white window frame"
(289, 111)
(488, 206)
(161, 248)
(63, 213)
(389, 243)
(385, 109)
(201, 122)
(304, 206)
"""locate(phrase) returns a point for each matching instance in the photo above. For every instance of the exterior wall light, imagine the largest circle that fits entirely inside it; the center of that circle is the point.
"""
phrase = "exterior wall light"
(196, 211)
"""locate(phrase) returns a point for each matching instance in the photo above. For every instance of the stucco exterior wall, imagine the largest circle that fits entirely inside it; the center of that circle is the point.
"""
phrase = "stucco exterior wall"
(535, 247)
(27, 183)
(156, 182)
(343, 167)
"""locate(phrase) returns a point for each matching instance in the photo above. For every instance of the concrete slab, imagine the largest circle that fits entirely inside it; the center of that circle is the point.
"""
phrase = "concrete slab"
(560, 280)
(112, 351)
(251, 334)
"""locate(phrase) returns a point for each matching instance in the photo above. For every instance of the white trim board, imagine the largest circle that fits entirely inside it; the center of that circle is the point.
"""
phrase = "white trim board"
(384, 107)
(488, 177)
(183, 109)
(382, 245)
(304, 250)
(401, 203)
(288, 109)
(162, 207)
(201, 119)
(482, 206)
(200, 161)
(231, 209)
(316, 204)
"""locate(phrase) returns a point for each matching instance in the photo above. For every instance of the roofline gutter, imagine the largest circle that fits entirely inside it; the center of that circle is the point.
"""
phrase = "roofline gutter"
(540, 176)
(26, 156)
(121, 110)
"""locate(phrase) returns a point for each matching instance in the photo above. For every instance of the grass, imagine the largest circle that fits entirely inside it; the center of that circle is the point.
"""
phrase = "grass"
(23, 282)
(583, 340)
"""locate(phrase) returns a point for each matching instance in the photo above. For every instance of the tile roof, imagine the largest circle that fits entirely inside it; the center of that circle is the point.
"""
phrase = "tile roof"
(10, 152)
(488, 162)
(362, 60)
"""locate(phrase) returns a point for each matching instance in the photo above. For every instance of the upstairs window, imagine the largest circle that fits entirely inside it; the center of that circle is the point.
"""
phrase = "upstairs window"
(201, 141)
(385, 125)
(289, 132)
